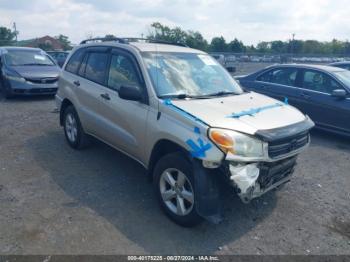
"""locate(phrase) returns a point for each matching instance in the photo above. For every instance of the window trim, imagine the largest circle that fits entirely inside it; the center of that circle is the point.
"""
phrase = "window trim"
(296, 84)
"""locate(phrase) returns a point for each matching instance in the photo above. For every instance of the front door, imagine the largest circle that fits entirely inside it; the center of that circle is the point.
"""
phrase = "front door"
(317, 101)
(126, 119)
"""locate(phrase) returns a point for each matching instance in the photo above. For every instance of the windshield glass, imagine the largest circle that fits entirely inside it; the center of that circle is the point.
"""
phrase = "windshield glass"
(344, 76)
(188, 74)
(25, 57)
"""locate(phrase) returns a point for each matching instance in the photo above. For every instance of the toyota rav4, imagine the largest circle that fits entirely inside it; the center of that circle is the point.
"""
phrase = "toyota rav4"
(180, 114)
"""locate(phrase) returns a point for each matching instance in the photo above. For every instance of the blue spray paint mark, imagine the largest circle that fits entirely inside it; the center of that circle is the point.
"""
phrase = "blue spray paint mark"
(254, 111)
(197, 130)
(198, 150)
(169, 103)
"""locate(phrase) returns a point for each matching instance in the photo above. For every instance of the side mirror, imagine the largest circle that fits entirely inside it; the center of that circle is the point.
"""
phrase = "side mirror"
(339, 93)
(133, 93)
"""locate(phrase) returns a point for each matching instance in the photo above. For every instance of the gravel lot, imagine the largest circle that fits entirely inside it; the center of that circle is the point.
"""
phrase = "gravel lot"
(54, 200)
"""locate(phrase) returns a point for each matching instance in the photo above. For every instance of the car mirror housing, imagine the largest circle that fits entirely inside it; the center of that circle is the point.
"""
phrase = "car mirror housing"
(130, 92)
(339, 93)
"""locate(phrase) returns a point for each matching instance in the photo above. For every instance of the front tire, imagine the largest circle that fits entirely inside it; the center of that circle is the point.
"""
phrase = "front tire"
(73, 130)
(174, 187)
(5, 91)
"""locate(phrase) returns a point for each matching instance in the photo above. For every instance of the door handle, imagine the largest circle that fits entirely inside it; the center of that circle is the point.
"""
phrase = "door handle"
(77, 83)
(105, 96)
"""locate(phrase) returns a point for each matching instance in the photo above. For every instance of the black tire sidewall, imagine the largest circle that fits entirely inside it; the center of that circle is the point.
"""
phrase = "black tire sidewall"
(180, 162)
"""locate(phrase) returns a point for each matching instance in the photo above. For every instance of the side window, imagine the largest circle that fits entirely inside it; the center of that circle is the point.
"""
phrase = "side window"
(122, 72)
(284, 76)
(74, 62)
(265, 77)
(96, 67)
(320, 82)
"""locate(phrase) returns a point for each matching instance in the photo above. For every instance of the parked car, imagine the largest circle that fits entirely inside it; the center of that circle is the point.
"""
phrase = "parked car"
(220, 59)
(344, 65)
(180, 114)
(321, 92)
(27, 71)
(59, 56)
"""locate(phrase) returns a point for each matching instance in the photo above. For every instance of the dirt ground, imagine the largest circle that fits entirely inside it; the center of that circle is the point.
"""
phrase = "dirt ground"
(54, 200)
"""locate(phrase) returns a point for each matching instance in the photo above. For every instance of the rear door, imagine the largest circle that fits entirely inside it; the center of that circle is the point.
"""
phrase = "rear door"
(279, 83)
(91, 77)
(317, 100)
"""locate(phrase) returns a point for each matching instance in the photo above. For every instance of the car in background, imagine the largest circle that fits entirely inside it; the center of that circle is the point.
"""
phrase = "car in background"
(219, 58)
(322, 92)
(227, 62)
(27, 71)
(59, 56)
(344, 65)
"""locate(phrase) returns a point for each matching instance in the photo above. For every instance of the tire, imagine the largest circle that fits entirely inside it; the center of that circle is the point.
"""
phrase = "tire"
(73, 130)
(5, 92)
(174, 188)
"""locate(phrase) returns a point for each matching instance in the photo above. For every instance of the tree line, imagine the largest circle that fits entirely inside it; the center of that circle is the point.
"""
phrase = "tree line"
(196, 40)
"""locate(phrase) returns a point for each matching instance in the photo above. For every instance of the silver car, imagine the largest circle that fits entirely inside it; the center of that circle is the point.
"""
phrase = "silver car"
(180, 114)
(27, 71)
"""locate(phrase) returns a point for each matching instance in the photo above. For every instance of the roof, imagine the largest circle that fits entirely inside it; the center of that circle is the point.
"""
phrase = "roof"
(147, 47)
(158, 47)
(340, 63)
(311, 66)
(19, 48)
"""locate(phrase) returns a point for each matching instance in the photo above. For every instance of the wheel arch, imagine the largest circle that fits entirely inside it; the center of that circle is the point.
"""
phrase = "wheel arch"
(162, 148)
(65, 103)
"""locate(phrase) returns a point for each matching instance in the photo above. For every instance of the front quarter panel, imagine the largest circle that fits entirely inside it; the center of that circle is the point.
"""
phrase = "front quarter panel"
(182, 129)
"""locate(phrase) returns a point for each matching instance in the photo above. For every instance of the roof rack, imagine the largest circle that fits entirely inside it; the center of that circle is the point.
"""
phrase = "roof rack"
(155, 41)
(104, 39)
(127, 40)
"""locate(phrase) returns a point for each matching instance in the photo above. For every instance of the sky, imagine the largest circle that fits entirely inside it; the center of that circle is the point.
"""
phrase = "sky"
(251, 21)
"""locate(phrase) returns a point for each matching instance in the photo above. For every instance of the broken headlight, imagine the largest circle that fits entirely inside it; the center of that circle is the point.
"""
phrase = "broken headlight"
(237, 143)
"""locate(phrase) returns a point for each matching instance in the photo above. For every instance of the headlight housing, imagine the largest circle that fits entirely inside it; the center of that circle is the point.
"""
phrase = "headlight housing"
(13, 76)
(238, 144)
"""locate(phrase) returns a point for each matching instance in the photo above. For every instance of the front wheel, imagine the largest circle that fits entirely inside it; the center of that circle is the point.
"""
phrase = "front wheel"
(5, 91)
(174, 186)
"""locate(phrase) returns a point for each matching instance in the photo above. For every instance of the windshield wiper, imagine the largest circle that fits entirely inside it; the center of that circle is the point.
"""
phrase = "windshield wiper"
(221, 93)
(35, 64)
(176, 96)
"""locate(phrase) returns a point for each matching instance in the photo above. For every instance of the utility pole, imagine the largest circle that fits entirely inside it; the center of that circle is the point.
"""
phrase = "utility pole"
(293, 44)
(15, 30)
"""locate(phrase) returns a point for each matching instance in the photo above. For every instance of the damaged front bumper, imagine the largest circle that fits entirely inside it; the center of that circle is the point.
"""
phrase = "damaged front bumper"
(253, 180)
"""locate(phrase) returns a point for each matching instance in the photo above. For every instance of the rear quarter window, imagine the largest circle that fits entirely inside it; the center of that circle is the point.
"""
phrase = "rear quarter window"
(75, 61)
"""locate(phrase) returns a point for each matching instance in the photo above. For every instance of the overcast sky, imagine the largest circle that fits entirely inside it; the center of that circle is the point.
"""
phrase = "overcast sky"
(249, 20)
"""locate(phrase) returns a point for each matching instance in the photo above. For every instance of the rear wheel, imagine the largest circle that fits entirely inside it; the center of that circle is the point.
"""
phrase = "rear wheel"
(174, 186)
(73, 130)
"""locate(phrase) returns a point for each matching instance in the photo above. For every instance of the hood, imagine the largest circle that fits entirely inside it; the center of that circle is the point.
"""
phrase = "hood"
(215, 112)
(37, 71)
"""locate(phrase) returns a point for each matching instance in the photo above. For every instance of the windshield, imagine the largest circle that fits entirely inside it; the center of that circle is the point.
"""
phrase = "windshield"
(344, 76)
(188, 74)
(25, 57)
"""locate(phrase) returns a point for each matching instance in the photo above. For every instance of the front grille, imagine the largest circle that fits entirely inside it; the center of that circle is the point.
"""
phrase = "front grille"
(42, 90)
(271, 173)
(50, 80)
(288, 145)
